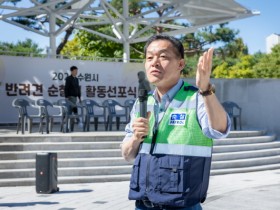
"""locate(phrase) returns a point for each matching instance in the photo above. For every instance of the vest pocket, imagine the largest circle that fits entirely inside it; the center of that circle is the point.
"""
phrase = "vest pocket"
(134, 179)
(174, 174)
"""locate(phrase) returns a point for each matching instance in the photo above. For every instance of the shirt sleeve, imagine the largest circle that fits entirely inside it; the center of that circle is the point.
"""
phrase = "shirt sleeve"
(203, 121)
(128, 127)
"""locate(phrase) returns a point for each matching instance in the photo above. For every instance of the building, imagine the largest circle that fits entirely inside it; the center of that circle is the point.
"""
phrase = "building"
(271, 41)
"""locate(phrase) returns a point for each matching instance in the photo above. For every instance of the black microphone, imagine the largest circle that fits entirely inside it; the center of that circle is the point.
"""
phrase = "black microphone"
(143, 97)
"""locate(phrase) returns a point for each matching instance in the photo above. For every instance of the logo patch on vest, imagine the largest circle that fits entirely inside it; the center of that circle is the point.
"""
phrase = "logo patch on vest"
(177, 119)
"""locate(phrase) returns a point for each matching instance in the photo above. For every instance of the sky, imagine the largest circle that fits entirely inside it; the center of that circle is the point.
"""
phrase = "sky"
(253, 30)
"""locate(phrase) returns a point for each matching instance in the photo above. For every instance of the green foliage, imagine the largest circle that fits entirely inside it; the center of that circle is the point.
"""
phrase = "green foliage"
(195, 43)
(96, 46)
(190, 68)
(234, 49)
(72, 48)
(236, 68)
(269, 65)
(251, 66)
(24, 47)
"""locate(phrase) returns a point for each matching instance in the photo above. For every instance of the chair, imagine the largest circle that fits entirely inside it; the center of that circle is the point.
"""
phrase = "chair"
(129, 105)
(91, 112)
(114, 109)
(46, 107)
(234, 112)
(68, 116)
(24, 117)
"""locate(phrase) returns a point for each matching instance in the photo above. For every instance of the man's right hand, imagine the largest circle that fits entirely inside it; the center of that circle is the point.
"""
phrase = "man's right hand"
(140, 127)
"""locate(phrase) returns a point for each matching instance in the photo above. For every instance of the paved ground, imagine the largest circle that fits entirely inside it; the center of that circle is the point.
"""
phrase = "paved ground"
(247, 191)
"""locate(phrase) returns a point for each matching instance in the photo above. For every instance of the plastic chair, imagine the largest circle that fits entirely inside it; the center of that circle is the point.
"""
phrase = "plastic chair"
(91, 112)
(23, 116)
(114, 110)
(129, 105)
(46, 107)
(69, 117)
(234, 112)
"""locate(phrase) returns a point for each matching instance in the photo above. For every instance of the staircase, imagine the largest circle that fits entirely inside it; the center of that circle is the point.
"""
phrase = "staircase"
(96, 156)
(245, 151)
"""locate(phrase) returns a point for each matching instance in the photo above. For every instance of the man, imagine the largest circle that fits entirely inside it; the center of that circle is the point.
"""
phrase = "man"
(72, 89)
(172, 147)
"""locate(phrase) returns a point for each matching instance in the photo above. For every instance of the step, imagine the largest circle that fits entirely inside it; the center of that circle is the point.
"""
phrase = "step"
(77, 162)
(246, 147)
(112, 144)
(49, 146)
(246, 162)
(64, 137)
(244, 140)
(62, 172)
(62, 154)
(94, 136)
(245, 169)
(246, 133)
(88, 157)
(245, 154)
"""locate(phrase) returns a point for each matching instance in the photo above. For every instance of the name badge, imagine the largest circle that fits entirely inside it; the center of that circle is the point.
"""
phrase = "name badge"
(177, 119)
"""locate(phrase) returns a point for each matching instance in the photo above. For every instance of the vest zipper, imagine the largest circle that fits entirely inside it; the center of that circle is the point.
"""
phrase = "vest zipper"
(149, 160)
(148, 173)
(153, 141)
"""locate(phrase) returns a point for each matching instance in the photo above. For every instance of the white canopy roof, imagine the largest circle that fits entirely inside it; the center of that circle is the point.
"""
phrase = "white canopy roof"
(81, 14)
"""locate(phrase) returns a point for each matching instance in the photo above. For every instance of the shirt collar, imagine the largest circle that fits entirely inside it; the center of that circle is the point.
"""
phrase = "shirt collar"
(170, 93)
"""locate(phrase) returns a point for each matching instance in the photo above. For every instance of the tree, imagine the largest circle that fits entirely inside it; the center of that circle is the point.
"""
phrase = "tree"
(26, 47)
(195, 43)
(269, 65)
(234, 49)
(72, 48)
(236, 68)
(31, 21)
(96, 46)
(231, 48)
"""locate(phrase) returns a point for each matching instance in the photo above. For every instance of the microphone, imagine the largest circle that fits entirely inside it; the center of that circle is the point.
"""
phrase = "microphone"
(143, 97)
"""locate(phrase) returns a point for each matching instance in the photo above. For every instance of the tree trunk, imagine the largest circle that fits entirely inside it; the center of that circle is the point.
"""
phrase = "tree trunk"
(68, 33)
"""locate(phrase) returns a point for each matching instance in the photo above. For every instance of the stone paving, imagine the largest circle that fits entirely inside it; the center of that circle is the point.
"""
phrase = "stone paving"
(248, 191)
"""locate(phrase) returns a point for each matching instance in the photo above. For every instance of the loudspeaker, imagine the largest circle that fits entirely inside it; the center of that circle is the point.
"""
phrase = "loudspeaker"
(46, 173)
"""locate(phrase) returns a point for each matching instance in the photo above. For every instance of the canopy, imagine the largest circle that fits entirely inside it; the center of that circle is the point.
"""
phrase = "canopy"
(189, 15)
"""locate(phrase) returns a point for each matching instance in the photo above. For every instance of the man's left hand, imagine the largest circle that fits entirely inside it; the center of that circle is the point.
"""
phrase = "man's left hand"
(204, 67)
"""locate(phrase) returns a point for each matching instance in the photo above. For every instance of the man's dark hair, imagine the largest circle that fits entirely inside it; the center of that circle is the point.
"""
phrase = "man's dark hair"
(178, 46)
(73, 68)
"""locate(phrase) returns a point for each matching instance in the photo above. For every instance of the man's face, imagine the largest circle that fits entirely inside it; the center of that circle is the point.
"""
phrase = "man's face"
(162, 65)
(74, 72)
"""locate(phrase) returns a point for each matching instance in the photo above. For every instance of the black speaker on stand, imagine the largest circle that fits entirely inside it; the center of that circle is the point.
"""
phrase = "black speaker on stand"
(46, 173)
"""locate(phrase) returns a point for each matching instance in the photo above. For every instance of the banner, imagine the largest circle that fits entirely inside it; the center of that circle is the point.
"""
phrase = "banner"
(34, 78)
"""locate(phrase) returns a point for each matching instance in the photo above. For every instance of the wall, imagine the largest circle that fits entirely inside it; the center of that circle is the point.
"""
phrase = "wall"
(258, 98)
(34, 78)
(20, 77)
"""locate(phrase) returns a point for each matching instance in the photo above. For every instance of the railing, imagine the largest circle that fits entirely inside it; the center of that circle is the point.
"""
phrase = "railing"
(37, 55)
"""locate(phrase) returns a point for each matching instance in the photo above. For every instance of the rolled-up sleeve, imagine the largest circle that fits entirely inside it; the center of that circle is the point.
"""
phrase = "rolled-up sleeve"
(128, 127)
(203, 121)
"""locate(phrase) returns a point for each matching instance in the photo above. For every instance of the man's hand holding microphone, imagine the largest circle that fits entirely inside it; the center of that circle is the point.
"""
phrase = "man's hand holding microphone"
(140, 128)
(141, 125)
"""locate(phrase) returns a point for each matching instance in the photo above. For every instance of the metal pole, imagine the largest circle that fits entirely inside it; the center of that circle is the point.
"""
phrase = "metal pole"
(52, 32)
(126, 49)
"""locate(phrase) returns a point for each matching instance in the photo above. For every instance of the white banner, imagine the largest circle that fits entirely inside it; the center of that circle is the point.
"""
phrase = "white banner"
(34, 78)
